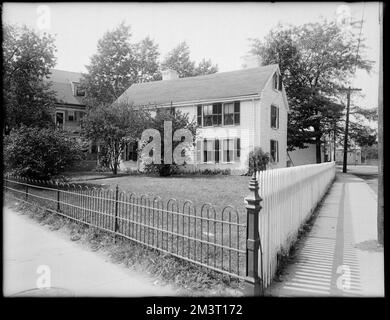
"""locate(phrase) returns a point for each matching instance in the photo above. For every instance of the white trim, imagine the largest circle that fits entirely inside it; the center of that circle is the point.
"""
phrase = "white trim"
(207, 101)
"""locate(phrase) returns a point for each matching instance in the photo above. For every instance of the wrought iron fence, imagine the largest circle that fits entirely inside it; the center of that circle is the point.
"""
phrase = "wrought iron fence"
(215, 239)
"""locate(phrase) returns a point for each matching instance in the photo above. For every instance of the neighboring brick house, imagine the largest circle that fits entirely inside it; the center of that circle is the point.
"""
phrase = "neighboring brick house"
(236, 111)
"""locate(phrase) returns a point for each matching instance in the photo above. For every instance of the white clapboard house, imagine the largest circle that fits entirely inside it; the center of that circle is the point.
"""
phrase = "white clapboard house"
(236, 111)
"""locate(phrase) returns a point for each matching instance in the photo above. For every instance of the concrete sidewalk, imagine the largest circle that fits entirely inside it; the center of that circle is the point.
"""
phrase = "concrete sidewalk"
(31, 252)
(340, 255)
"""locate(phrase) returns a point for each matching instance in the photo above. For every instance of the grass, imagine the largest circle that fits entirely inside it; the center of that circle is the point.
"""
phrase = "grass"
(189, 279)
(219, 190)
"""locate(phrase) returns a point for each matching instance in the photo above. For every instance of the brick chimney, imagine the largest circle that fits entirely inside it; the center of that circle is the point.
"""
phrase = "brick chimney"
(251, 61)
(169, 74)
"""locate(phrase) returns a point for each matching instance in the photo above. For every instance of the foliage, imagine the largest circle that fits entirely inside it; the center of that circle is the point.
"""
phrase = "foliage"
(362, 135)
(40, 153)
(258, 160)
(316, 60)
(179, 120)
(212, 172)
(112, 127)
(178, 59)
(370, 152)
(27, 59)
(118, 64)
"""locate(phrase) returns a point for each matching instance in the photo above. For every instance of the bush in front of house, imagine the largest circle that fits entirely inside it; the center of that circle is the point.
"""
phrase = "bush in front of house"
(40, 153)
(258, 160)
(179, 120)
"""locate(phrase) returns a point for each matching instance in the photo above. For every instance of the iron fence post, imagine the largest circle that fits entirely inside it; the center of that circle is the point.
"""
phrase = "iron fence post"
(26, 192)
(253, 283)
(58, 197)
(116, 212)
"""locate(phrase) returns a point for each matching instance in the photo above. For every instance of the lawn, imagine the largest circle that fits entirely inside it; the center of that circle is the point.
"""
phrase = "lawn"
(219, 190)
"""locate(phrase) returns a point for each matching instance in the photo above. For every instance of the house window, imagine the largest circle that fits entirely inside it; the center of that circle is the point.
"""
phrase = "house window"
(277, 82)
(274, 150)
(228, 113)
(80, 92)
(228, 150)
(208, 150)
(274, 117)
(231, 113)
(71, 116)
(131, 152)
(212, 115)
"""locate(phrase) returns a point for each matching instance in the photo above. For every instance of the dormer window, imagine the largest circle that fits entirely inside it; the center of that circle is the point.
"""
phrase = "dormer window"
(277, 82)
(78, 90)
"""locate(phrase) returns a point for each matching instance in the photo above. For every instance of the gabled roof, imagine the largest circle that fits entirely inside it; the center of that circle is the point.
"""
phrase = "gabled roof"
(62, 84)
(222, 85)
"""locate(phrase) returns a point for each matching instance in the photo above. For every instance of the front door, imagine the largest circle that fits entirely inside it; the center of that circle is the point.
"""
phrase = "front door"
(60, 119)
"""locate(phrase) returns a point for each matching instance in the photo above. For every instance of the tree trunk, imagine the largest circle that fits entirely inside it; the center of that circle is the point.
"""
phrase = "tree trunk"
(318, 150)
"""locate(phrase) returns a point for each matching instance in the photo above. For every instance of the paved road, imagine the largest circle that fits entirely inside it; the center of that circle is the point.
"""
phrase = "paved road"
(33, 255)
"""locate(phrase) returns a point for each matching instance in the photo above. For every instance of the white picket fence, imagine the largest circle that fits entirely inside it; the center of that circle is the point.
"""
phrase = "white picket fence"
(290, 196)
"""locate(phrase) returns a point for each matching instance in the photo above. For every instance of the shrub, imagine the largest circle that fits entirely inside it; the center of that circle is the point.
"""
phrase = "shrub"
(258, 160)
(40, 153)
(163, 170)
(179, 120)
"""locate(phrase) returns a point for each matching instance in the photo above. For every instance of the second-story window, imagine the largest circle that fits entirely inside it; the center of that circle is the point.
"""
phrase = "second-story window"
(212, 115)
(274, 117)
(218, 114)
(231, 113)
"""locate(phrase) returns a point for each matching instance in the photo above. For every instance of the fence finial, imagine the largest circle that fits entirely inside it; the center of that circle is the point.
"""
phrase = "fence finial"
(253, 281)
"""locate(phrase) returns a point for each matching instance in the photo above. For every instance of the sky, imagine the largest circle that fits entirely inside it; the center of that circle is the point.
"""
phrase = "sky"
(216, 31)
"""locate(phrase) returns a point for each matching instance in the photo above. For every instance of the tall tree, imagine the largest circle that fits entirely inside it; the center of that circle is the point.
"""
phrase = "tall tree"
(205, 67)
(27, 59)
(147, 54)
(118, 64)
(178, 59)
(315, 59)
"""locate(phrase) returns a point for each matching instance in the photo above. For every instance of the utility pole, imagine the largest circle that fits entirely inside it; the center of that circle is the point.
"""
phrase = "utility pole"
(380, 133)
(349, 89)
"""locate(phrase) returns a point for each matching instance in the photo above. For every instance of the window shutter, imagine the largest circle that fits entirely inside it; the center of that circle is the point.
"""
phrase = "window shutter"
(277, 118)
(199, 114)
(217, 153)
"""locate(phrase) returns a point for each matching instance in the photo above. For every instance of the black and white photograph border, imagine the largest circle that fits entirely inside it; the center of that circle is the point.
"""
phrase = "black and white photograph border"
(193, 150)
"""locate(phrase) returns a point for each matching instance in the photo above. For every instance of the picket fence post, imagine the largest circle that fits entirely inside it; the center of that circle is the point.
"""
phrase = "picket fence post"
(253, 283)
(116, 227)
